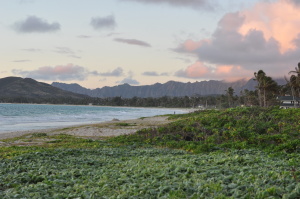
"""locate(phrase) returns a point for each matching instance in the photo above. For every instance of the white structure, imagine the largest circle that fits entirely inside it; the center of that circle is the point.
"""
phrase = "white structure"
(289, 102)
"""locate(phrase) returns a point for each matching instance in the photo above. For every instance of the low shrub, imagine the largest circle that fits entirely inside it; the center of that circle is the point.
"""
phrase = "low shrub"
(237, 128)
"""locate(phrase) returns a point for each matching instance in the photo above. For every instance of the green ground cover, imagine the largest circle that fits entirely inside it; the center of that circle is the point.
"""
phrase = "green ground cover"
(234, 153)
(270, 129)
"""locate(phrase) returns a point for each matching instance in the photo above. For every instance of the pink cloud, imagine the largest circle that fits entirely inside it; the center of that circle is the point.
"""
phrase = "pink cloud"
(195, 70)
(230, 73)
(279, 20)
(224, 69)
(191, 45)
(221, 72)
(264, 37)
(60, 72)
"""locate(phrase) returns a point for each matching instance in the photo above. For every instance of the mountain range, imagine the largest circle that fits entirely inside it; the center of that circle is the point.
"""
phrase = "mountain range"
(170, 88)
(29, 88)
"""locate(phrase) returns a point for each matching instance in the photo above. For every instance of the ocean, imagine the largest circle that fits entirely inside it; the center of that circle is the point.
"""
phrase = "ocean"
(23, 117)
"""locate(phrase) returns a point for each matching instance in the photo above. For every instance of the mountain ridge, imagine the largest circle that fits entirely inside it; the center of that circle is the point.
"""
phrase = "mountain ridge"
(30, 88)
(170, 88)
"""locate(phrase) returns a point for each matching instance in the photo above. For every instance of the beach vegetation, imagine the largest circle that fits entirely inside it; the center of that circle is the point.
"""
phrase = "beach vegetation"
(125, 124)
(271, 129)
(129, 172)
(233, 153)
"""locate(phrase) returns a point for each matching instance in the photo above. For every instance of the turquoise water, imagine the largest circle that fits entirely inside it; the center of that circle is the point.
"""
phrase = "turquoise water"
(20, 117)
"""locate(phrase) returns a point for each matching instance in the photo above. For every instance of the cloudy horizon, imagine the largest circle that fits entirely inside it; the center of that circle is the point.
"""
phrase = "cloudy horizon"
(143, 42)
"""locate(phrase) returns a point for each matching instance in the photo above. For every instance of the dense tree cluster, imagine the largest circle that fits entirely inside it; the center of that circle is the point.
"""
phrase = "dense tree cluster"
(266, 93)
(184, 102)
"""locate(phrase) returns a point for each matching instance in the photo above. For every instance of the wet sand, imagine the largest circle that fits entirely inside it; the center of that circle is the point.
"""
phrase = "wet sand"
(105, 129)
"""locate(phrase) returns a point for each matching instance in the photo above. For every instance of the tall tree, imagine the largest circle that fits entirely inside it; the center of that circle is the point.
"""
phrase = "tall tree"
(259, 76)
(229, 93)
(267, 87)
(294, 81)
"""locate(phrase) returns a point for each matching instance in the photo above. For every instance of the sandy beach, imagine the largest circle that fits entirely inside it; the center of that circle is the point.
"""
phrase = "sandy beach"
(105, 129)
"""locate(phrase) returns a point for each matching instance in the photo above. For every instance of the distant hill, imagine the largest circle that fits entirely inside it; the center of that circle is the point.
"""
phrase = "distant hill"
(30, 88)
(170, 88)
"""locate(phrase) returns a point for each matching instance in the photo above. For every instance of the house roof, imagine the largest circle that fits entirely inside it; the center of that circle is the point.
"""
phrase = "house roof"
(288, 98)
(289, 105)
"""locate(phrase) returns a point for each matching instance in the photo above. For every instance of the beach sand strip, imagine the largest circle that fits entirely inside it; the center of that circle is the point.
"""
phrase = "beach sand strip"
(105, 129)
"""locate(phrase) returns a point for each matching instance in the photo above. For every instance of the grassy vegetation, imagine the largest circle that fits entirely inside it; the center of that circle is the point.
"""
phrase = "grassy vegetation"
(233, 153)
(270, 129)
(124, 124)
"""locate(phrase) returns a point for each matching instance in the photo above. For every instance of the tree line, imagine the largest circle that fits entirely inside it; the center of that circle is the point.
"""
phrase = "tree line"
(267, 90)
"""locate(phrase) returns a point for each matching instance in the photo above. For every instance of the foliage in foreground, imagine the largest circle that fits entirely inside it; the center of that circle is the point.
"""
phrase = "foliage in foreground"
(127, 172)
(233, 166)
(273, 129)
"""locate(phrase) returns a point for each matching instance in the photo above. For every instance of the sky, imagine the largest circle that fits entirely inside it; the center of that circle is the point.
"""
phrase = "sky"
(98, 43)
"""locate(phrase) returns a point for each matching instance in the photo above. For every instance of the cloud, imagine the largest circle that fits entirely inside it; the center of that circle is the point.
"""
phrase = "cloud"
(112, 34)
(193, 71)
(295, 2)
(129, 80)
(133, 42)
(279, 20)
(186, 60)
(54, 73)
(179, 3)
(229, 47)
(199, 70)
(296, 41)
(107, 22)
(188, 46)
(66, 51)
(153, 73)
(32, 50)
(84, 36)
(22, 60)
(150, 73)
(35, 24)
(114, 73)
(263, 37)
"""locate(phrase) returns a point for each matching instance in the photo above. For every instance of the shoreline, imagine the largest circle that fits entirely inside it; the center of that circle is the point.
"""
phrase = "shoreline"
(103, 129)
(43, 127)
(154, 107)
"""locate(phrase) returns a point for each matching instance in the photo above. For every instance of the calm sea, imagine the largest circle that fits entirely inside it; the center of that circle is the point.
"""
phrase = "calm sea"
(22, 117)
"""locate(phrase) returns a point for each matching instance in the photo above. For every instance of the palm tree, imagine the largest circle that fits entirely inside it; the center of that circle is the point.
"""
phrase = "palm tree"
(269, 87)
(266, 86)
(259, 76)
(295, 80)
(229, 93)
(292, 83)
